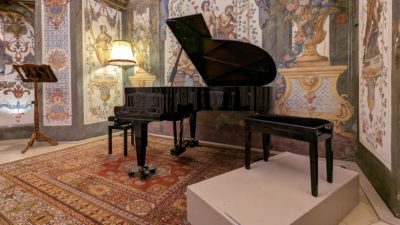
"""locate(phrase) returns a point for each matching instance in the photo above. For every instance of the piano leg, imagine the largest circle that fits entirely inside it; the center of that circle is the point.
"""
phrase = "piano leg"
(175, 133)
(180, 133)
(141, 145)
(192, 121)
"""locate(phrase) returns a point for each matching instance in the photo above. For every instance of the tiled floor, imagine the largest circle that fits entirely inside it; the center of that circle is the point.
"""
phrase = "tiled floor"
(10, 150)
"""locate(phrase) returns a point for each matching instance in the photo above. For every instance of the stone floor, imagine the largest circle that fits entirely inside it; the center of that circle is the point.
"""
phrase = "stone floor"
(363, 214)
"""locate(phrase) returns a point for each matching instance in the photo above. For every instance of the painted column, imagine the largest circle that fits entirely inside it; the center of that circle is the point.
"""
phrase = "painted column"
(56, 51)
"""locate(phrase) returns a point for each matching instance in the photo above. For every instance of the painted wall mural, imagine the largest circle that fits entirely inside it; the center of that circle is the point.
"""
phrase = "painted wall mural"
(17, 46)
(102, 83)
(140, 35)
(375, 49)
(308, 86)
(226, 19)
(56, 51)
(143, 33)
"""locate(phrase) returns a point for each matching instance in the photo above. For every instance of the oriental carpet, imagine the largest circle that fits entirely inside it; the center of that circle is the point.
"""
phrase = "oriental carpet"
(85, 185)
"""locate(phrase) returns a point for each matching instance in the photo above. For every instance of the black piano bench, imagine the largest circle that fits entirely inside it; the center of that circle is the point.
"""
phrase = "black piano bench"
(119, 126)
(303, 129)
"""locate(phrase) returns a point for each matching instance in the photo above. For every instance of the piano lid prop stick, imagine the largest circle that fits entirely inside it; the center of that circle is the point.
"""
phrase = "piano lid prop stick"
(175, 69)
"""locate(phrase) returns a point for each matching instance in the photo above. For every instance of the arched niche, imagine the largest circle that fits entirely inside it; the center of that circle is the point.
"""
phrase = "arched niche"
(20, 9)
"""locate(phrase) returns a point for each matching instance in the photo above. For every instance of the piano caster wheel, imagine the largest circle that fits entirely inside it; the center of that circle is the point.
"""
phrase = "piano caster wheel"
(190, 143)
(133, 171)
(151, 168)
(177, 151)
(193, 143)
(145, 171)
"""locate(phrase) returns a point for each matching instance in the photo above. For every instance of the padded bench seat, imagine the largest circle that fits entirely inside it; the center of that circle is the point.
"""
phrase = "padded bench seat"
(304, 129)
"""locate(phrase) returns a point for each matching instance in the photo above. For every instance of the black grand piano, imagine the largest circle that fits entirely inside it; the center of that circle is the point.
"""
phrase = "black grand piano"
(235, 73)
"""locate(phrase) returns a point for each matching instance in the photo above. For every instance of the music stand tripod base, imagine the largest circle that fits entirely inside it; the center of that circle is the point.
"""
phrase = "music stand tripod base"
(38, 136)
(36, 74)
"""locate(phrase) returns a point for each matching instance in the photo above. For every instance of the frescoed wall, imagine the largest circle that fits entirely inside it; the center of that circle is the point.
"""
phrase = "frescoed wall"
(102, 83)
(140, 35)
(17, 46)
(56, 51)
(313, 81)
(375, 51)
(143, 32)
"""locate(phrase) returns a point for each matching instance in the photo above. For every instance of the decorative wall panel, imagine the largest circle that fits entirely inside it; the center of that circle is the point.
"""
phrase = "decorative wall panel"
(56, 51)
(16, 47)
(375, 49)
(226, 19)
(308, 82)
(144, 35)
(102, 83)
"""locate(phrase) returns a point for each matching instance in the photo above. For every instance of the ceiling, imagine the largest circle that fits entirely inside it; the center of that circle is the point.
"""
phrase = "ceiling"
(118, 4)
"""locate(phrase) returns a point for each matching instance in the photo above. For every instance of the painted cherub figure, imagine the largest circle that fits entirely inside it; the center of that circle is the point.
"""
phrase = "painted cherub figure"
(226, 24)
(209, 17)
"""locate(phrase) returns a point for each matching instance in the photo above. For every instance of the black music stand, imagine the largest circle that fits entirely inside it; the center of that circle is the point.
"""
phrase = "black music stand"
(36, 74)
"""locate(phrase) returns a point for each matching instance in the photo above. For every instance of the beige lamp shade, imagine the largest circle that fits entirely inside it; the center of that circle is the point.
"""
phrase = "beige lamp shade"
(121, 54)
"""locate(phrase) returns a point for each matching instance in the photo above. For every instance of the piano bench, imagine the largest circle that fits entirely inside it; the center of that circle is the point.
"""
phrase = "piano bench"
(304, 129)
(120, 126)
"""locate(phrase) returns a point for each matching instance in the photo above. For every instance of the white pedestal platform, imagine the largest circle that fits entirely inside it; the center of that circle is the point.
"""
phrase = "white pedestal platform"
(277, 192)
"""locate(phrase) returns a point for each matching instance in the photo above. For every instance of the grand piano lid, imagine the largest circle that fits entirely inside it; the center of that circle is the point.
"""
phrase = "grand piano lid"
(222, 62)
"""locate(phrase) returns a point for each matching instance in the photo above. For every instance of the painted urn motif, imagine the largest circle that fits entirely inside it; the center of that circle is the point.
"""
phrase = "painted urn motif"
(309, 16)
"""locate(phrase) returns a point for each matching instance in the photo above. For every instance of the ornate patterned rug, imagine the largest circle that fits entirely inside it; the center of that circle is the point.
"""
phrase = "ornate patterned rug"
(85, 185)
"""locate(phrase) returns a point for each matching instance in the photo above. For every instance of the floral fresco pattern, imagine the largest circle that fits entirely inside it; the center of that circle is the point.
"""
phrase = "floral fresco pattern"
(102, 83)
(16, 47)
(375, 77)
(295, 10)
(56, 10)
(226, 19)
(308, 16)
(57, 108)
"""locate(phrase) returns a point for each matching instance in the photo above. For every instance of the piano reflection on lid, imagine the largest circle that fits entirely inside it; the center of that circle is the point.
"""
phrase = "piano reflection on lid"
(235, 73)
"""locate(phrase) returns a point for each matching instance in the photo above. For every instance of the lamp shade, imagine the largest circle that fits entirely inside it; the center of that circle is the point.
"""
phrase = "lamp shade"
(121, 54)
